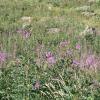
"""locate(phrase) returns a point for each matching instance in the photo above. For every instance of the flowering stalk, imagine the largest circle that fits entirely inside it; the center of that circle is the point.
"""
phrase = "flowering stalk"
(50, 58)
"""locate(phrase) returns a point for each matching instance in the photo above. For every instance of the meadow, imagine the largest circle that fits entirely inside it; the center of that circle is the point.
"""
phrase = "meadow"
(49, 49)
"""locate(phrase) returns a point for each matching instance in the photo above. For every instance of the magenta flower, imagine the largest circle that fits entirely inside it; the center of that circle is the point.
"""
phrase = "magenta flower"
(78, 47)
(3, 56)
(90, 60)
(50, 58)
(24, 33)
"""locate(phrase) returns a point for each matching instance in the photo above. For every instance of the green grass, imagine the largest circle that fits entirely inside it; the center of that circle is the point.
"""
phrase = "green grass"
(27, 64)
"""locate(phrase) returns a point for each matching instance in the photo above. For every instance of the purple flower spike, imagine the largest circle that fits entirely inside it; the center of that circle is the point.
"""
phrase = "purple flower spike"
(50, 58)
(90, 60)
(48, 54)
(78, 47)
(3, 56)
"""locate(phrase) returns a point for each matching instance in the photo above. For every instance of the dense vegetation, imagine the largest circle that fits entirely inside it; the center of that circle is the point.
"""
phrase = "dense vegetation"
(49, 49)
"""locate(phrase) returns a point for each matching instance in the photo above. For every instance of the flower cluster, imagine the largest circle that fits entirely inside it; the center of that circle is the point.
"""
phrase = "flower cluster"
(50, 58)
(3, 56)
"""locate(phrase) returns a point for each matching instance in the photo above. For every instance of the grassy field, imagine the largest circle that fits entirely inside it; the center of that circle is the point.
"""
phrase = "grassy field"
(49, 49)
